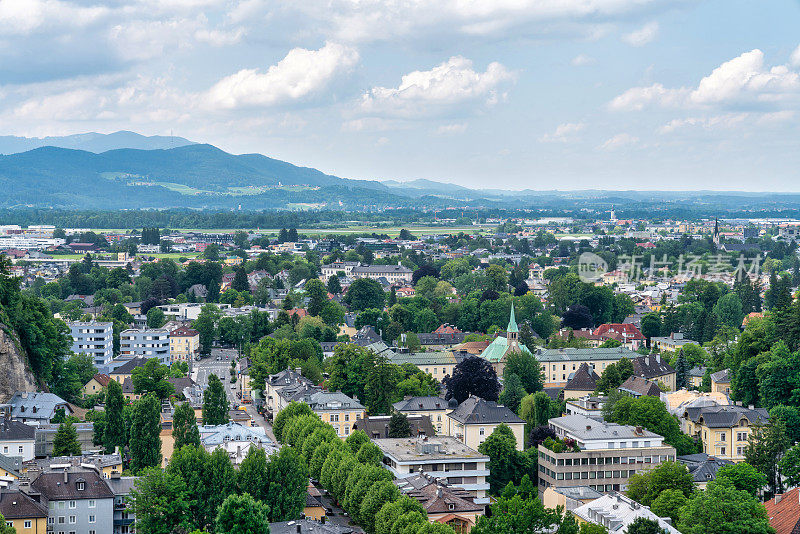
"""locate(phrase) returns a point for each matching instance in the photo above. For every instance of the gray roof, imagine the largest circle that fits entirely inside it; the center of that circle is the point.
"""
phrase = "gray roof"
(586, 428)
(697, 371)
(15, 504)
(476, 410)
(638, 386)
(36, 405)
(381, 269)
(651, 366)
(333, 400)
(584, 379)
(434, 338)
(306, 526)
(128, 367)
(12, 464)
(59, 486)
(14, 430)
(217, 434)
(377, 426)
(419, 404)
(571, 354)
(721, 376)
(121, 485)
(726, 416)
(702, 467)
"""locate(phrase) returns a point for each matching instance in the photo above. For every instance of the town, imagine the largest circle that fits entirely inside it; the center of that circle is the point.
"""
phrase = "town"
(514, 375)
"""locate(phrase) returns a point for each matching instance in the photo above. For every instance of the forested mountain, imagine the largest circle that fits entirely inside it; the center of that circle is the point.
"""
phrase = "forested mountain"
(91, 142)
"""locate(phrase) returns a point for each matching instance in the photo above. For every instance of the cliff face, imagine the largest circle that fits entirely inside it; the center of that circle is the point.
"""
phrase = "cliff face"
(15, 375)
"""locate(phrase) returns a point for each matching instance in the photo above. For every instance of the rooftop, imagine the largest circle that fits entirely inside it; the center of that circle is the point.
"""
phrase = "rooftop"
(475, 410)
(571, 354)
(411, 450)
(585, 428)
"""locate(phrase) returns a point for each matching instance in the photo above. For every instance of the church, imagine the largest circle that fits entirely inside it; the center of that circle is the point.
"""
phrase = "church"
(499, 349)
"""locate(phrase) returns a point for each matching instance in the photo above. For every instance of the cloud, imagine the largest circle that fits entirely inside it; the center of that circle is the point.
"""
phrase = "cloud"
(438, 91)
(450, 129)
(582, 60)
(742, 81)
(727, 121)
(564, 133)
(794, 59)
(619, 141)
(23, 17)
(300, 74)
(643, 35)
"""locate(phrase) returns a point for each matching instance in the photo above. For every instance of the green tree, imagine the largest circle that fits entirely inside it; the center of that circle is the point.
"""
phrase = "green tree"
(743, 476)
(240, 282)
(65, 442)
(651, 326)
(286, 482)
(145, 433)
(334, 285)
(76, 372)
(506, 463)
(292, 410)
(399, 426)
(644, 487)
(155, 317)
(184, 426)
(380, 387)
(215, 402)
(512, 393)
(152, 378)
(765, 447)
(369, 454)
(728, 310)
(318, 295)
(722, 509)
(364, 293)
(527, 368)
(160, 502)
(669, 504)
(241, 514)
(206, 326)
(642, 525)
(114, 435)
(790, 466)
(380, 493)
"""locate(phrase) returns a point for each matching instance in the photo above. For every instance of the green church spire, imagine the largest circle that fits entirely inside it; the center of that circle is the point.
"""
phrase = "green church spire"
(512, 322)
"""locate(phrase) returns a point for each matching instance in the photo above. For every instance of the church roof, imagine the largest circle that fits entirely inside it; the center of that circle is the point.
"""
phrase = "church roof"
(498, 348)
(512, 322)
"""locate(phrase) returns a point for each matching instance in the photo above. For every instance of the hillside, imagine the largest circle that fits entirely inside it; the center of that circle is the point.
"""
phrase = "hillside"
(197, 175)
(91, 142)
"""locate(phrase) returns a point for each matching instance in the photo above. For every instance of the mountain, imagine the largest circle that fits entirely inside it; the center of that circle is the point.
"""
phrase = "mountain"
(92, 142)
(195, 175)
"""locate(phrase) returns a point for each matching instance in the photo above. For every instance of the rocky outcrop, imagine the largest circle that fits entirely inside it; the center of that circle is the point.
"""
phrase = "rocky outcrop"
(15, 374)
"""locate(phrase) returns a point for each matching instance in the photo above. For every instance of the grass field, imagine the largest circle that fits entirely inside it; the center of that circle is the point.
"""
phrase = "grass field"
(392, 231)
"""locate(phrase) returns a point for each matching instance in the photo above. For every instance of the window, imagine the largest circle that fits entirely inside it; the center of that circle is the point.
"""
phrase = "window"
(5, 450)
(346, 417)
(741, 436)
(73, 519)
(62, 520)
(481, 431)
(722, 451)
(92, 503)
(9, 524)
(91, 519)
(91, 532)
(334, 418)
(51, 520)
(720, 436)
(73, 504)
(610, 444)
(27, 524)
(20, 449)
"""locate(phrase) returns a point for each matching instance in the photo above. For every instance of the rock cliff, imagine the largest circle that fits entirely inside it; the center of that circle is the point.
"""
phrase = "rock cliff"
(15, 374)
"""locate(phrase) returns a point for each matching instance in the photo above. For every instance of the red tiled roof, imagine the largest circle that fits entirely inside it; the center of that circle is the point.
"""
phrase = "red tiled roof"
(629, 331)
(447, 329)
(784, 516)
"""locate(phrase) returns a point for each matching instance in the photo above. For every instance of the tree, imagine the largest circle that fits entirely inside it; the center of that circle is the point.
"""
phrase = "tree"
(398, 426)
(160, 502)
(743, 476)
(76, 372)
(728, 310)
(205, 324)
(642, 525)
(334, 285)
(155, 318)
(240, 282)
(651, 326)
(512, 393)
(379, 389)
(286, 480)
(152, 378)
(317, 294)
(577, 317)
(669, 504)
(527, 368)
(184, 426)
(649, 412)
(681, 371)
(473, 376)
(364, 293)
(765, 447)
(215, 402)
(292, 410)
(65, 442)
(609, 380)
(114, 435)
(722, 509)
(790, 466)
(145, 433)
(241, 514)
(506, 463)
(644, 487)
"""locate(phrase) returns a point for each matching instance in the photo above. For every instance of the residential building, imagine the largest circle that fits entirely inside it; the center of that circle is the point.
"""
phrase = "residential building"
(35, 408)
(125, 371)
(10, 469)
(333, 269)
(558, 364)
(335, 408)
(306, 526)
(724, 430)
(377, 426)
(721, 382)
(783, 511)
(581, 383)
(184, 344)
(678, 401)
(392, 273)
(616, 512)
(694, 377)
(77, 501)
(588, 405)
(639, 387)
(442, 457)
(569, 497)
(627, 334)
(435, 408)
(437, 364)
(146, 343)
(653, 368)
(46, 434)
(475, 419)
(105, 464)
(281, 388)
(95, 339)
(17, 439)
(124, 517)
(314, 509)
(702, 467)
(498, 350)
(442, 502)
(671, 343)
(22, 512)
(96, 384)
(236, 439)
(604, 456)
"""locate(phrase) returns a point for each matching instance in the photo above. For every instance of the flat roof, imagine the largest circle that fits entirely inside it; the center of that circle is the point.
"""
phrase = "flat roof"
(410, 449)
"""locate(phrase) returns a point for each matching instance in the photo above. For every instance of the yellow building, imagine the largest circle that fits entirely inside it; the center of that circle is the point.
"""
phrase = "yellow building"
(436, 408)
(23, 513)
(96, 384)
(559, 364)
(314, 509)
(437, 364)
(721, 381)
(184, 344)
(337, 409)
(724, 430)
(475, 419)
(568, 497)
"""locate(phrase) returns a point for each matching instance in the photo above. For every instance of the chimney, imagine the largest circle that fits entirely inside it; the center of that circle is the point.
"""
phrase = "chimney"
(658, 358)
(778, 497)
(66, 476)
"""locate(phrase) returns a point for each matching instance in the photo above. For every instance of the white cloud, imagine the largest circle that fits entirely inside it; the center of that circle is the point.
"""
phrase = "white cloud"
(794, 59)
(619, 141)
(564, 133)
(743, 80)
(299, 75)
(219, 37)
(643, 35)
(450, 129)
(727, 121)
(439, 90)
(22, 17)
(582, 60)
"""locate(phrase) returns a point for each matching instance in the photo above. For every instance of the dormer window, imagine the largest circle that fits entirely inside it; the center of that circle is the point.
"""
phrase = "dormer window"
(81, 485)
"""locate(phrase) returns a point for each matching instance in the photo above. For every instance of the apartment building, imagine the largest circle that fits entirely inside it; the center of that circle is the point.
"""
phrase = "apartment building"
(95, 339)
(559, 364)
(184, 344)
(333, 269)
(392, 273)
(597, 454)
(147, 343)
(436, 408)
(22, 512)
(475, 419)
(724, 430)
(337, 409)
(77, 501)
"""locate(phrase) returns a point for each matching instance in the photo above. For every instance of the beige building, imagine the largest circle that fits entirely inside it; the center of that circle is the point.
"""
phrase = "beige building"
(568, 497)
(22, 512)
(559, 364)
(475, 419)
(436, 408)
(437, 364)
(184, 344)
(444, 504)
(337, 409)
(724, 430)
(721, 382)
(96, 384)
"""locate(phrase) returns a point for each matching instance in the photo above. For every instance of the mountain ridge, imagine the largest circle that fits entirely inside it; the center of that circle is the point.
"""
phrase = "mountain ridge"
(91, 142)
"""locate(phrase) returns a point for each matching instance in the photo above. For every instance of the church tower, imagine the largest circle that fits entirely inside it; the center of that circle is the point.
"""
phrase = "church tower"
(716, 232)
(512, 332)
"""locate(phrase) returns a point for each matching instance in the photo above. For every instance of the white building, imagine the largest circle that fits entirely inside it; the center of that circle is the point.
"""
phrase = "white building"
(616, 512)
(236, 440)
(145, 343)
(392, 273)
(95, 339)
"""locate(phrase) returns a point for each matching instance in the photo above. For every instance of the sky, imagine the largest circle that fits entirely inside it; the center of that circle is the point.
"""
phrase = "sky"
(513, 94)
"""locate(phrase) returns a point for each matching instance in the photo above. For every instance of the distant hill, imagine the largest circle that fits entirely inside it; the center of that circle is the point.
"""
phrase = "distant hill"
(92, 142)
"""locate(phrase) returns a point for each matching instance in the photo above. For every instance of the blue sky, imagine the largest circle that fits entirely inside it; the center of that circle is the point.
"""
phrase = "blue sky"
(539, 94)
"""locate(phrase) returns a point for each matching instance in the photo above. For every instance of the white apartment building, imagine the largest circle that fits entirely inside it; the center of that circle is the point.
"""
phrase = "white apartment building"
(95, 339)
(153, 343)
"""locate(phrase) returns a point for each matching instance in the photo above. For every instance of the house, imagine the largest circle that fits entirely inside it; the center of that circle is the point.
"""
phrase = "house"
(439, 457)
(604, 455)
(437, 364)
(435, 408)
(314, 509)
(10, 469)
(724, 430)
(702, 467)
(442, 502)
(558, 364)
(721, 382)
(124, 517)
(475, 419)
(22, 512)
(498, 350)
(581, 383)
(281, 387)
(392, 273)
(678, 401)
(125, 371)
(95, 339)
(639, 387)
(184, 344)
(627, 334)
(653, 368)
(377, 426)
(672, 343)
(473, 348)
(694, 377)
(236, 439)
(36, 408)
(783, 512)
(17, 439)
(588, 405)
(616, 512)
(105, 464)
(77, 500)
(569, 497)
(305, 526)
(335, 408)
(96, 384)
